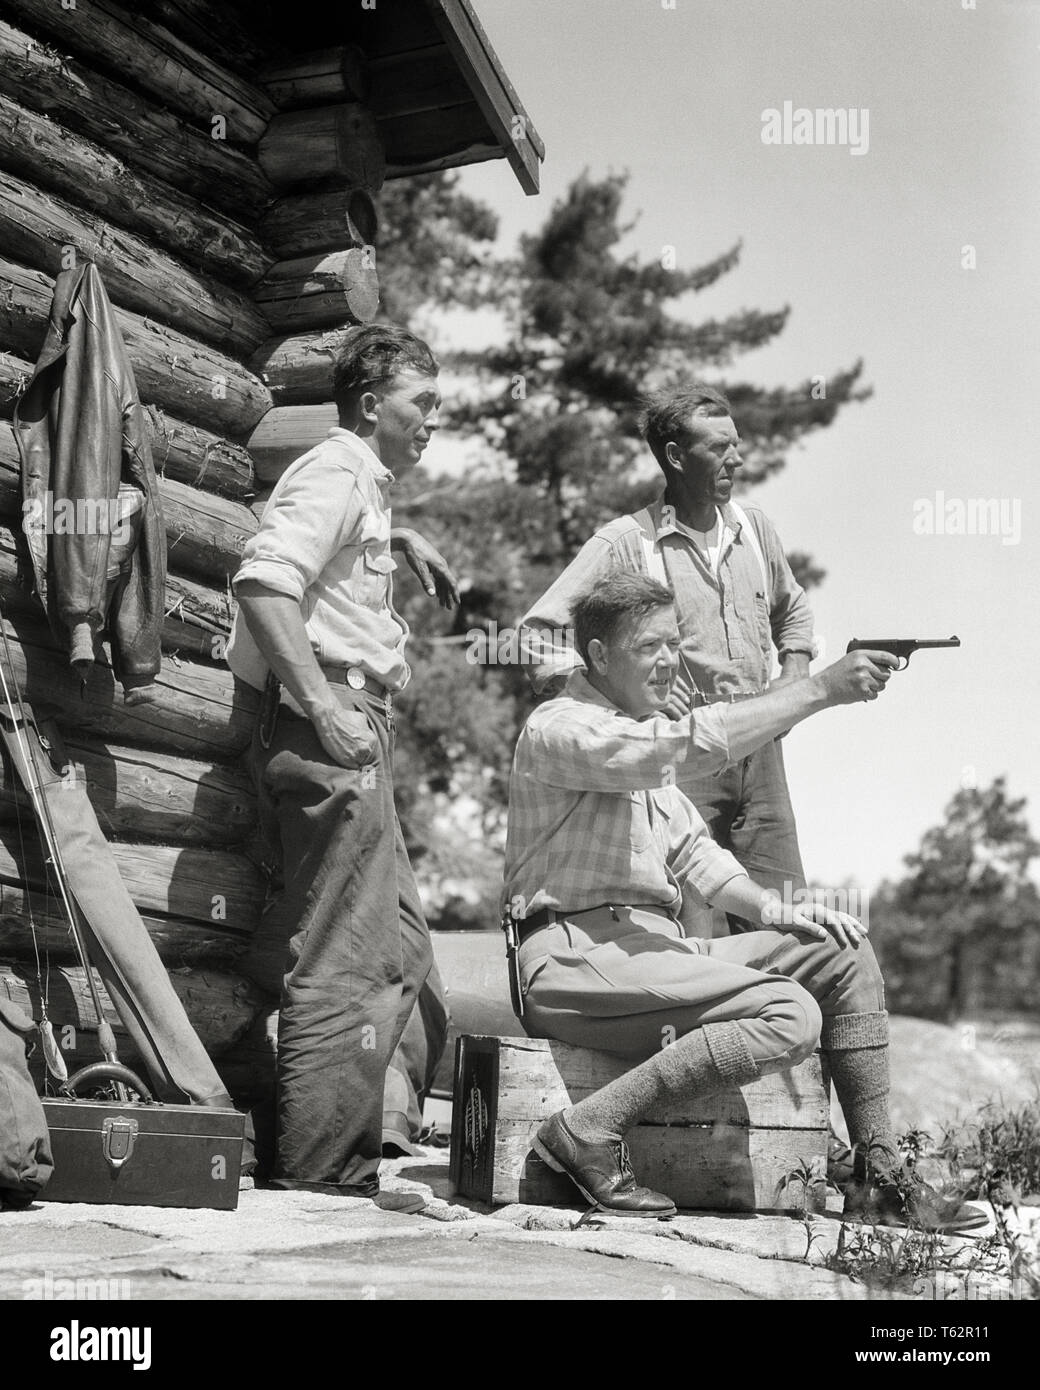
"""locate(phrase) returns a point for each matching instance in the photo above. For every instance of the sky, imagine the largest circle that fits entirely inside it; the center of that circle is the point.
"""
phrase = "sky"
(919, 254)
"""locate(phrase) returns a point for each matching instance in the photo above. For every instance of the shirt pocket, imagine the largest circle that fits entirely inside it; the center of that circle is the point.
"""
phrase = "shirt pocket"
(640, 834)
(373, 571)
(762, 633)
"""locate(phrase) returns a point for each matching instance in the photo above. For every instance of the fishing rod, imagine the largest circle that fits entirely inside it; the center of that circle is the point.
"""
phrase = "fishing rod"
(34, 785)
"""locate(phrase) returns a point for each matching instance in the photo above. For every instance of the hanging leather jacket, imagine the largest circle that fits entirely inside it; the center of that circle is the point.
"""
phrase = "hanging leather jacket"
(91, 509)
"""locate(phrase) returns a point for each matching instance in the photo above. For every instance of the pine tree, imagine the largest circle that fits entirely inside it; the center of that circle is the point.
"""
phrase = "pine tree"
(961, 932)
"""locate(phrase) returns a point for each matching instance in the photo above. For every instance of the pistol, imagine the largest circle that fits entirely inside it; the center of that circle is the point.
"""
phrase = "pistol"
(900, 647)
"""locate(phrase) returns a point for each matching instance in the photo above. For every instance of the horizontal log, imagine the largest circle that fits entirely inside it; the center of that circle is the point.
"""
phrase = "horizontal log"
(189, 379)
(287, 432)
(422, 79)
(14, 378)
(192, 708)
(325, 221)
(37, 230)
(185, 452)
(323, 291)
(298, 370)
(133, 46)
(140, 131)
(178, 636)
(198, 457)
(200, 609)
(154, 796)
(205, 534)
(328, 142)
(196, 885)
(54, 157)
(181, 639)
(177, 942)
(205, 606)
(318, 78)
(221, 1008)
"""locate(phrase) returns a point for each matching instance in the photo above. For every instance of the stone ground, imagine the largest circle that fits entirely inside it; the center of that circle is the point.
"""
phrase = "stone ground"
(282, 1245)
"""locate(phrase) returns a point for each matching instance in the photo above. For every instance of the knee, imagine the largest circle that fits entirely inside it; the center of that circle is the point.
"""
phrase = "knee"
(849, 979)
(865, 987)
(797, 1020)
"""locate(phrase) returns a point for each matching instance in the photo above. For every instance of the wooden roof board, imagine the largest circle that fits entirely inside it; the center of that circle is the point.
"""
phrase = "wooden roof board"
(510, 124)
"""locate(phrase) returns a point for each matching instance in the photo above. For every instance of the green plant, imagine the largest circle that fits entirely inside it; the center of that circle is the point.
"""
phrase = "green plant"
(805, 1176)
(998, 1152)
(995, 1157)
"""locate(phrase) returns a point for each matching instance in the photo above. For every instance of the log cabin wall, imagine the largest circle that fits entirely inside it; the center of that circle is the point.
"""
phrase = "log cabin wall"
(224, 178)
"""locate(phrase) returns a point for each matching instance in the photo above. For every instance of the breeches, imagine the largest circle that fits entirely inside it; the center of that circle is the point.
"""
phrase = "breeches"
(624, 980)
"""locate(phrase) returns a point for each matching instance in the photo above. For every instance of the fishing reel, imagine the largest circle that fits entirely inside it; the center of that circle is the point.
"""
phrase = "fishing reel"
(108, 1082)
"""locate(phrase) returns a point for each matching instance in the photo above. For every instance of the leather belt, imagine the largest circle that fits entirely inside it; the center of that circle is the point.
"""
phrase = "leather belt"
(527, 926)
(356, 679)
(548, 916)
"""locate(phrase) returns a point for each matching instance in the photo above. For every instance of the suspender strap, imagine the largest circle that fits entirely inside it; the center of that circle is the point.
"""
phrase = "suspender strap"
(746, 529)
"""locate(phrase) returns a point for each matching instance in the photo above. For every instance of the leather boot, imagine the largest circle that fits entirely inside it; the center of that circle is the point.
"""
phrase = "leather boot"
(601, 1172)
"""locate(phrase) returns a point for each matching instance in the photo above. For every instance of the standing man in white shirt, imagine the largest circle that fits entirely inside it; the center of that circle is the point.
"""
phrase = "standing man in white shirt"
(318, 632)
(738, 604)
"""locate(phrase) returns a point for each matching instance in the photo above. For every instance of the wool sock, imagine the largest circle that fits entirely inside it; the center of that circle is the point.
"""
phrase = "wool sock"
(856, 1046)
(696, 1064)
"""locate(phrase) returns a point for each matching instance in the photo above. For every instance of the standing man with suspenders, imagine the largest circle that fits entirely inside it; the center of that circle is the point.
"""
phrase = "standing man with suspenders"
(737, 601)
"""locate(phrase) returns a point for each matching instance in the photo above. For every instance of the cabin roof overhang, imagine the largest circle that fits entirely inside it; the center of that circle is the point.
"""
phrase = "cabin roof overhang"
(438, 91)
(508, 123)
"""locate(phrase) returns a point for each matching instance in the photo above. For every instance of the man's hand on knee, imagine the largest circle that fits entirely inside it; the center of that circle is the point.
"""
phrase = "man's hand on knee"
(819, 921)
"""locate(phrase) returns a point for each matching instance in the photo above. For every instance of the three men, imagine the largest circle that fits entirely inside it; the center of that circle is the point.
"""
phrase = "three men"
(604, 856)
(736, 600)
(317, 630)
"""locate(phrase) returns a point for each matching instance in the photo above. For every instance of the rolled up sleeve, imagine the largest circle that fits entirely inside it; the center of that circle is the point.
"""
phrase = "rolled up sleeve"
(312, 516)
(790, 617)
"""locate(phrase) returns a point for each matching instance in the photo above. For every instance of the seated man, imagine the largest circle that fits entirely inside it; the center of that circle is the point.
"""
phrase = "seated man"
(604, 851)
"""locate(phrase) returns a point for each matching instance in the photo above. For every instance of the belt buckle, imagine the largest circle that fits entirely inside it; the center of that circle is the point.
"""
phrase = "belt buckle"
(356, 678)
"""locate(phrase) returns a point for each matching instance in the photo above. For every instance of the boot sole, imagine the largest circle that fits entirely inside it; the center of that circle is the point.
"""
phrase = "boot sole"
(554, 1163)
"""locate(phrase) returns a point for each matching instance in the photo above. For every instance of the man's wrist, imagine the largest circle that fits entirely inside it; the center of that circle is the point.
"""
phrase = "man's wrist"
(818, 693)
(794, 663)
(316, 704)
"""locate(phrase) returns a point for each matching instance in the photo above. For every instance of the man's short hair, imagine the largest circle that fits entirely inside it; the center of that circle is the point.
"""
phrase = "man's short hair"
(603, 610)
(666, 414)
(373, 355)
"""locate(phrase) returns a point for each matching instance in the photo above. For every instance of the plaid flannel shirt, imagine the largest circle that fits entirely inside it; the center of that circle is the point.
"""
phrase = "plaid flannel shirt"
(594, 816)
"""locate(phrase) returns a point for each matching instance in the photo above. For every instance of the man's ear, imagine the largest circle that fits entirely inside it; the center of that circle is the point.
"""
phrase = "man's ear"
(673, 455)
(368, 407)
(597, 656)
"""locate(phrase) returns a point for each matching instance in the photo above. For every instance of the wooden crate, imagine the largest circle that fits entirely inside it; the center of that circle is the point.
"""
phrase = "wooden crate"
(728, 1152)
